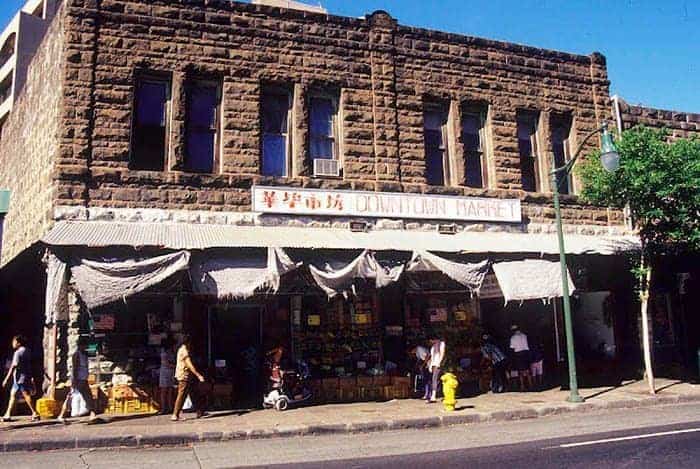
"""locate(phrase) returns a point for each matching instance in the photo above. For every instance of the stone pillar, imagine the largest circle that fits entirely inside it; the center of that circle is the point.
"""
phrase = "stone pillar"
(301, 166)
(178, 102)
(384, 113)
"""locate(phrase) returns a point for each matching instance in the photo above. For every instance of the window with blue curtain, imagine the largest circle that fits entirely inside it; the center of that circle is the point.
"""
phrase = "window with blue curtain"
(149, 130)
(202, 124)
(322, 131)
(275, 108)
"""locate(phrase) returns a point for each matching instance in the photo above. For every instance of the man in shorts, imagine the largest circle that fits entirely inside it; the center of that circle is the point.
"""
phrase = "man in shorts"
(21, 373)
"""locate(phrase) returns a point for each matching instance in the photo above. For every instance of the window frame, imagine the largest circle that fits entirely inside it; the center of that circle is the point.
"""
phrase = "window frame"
(564, 122)
(334, 98)
(532, 120)
(151, 77)
(278, 90)
(480, 111)
(444, 111)
(216, 126)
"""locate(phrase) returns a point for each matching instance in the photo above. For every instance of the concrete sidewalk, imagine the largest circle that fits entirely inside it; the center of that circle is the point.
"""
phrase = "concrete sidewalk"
(340, 418)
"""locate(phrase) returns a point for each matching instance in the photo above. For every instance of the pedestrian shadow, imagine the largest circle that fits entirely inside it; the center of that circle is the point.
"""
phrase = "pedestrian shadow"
(610, 389)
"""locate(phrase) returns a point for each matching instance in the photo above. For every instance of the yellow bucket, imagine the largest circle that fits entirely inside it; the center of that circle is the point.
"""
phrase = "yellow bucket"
(47, 408)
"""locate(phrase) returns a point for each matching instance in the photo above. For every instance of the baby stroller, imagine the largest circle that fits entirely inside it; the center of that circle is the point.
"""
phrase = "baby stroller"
(290, 389)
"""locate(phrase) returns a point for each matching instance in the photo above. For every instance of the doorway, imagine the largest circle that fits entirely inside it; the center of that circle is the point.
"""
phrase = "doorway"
(235, 333)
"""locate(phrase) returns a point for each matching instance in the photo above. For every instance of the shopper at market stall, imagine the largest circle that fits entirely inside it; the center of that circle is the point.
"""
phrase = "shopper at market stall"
(22, 382)
(79, 381)
(437, 356)
(537, 364)
(185, 372)
(521, 357)
(422, 356)
(498, 360)
(166, 376)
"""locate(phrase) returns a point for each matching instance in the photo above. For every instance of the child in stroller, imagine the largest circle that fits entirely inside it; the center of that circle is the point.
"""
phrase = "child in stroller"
(285, 387)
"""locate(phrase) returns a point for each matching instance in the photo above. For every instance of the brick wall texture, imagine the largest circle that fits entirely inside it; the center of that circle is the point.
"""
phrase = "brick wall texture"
(383, 73)
(678, 124)
(30, 146)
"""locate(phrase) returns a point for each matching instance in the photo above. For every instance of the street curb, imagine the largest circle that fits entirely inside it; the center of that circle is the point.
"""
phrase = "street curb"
(444, 420)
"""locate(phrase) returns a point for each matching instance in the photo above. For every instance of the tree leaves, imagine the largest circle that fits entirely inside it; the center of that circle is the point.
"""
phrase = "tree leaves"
(659, 181)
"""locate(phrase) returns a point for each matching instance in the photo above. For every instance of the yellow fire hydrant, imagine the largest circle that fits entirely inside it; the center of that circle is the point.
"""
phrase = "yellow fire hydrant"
(449, 389)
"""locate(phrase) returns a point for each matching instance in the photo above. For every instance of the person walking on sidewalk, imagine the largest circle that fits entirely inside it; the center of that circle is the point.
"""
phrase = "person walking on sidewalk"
(437, 356)
(21, 373)
(79, 381)
(185, 372)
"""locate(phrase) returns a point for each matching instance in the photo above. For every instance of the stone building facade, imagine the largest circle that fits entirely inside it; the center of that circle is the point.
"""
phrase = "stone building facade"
(679, 124)
(382, 74)
(76, 159)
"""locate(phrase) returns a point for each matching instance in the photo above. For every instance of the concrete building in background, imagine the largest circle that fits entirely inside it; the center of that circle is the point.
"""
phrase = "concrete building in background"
(219, 128)
(18, 43)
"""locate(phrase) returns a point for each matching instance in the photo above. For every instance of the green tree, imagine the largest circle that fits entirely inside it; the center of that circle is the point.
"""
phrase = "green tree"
(659, 182)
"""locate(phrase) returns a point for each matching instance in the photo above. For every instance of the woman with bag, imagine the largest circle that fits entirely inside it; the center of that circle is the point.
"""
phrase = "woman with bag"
(185, 372)
(79, 387)
(22, 382)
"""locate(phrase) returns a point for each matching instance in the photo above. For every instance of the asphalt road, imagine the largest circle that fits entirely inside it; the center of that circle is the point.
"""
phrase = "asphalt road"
(654, 437)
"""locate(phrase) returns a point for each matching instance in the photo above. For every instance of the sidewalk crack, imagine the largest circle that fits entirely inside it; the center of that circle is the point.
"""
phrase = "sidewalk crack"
(196, 457)
(81, 456)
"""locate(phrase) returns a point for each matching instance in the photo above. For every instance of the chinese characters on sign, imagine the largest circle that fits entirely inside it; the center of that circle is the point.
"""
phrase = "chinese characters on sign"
(288, 200)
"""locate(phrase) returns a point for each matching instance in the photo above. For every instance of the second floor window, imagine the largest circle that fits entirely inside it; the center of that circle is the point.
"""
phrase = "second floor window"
(436, 154)
(149, 143)
(275, 110)
(474, 139)
(323, 116)
(561, 128)
(527, 147)
(202, 127)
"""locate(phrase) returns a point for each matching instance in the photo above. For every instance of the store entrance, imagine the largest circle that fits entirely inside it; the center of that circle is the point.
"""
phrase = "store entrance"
(236, 344)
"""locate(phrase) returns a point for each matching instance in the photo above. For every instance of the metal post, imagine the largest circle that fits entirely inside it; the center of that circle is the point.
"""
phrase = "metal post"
(574, 396)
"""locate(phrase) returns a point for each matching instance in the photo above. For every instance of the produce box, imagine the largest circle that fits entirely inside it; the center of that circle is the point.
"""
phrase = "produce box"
(330, 383)
(382, 381)
(365, 381)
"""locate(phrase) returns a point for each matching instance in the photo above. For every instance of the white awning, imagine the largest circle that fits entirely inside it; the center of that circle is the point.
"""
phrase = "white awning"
(530, 279)
(469, 275)
(341, 281)
(178, 236)
(240, 275)
(100, 283)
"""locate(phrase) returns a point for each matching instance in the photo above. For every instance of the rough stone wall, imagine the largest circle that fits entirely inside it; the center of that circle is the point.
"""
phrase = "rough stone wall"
(679, 124)
(30, 144)
(383, 72)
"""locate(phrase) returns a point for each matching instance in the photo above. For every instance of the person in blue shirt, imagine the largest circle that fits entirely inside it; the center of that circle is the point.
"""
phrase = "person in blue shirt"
(22, 382)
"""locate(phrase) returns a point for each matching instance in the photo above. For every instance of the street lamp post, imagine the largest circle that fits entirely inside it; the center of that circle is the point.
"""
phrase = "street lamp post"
(611, 161)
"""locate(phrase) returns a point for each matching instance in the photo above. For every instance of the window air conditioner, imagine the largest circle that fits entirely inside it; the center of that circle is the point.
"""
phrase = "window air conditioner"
(326, 167)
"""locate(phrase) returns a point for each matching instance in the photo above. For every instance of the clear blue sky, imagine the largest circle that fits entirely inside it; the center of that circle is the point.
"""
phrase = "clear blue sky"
(652, 46)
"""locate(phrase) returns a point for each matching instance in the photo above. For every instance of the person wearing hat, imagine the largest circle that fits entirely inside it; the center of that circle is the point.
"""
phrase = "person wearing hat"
(521, 356)
(491, 352)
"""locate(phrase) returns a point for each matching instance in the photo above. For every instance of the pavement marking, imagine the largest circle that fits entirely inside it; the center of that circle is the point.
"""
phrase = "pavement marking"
(626, 438)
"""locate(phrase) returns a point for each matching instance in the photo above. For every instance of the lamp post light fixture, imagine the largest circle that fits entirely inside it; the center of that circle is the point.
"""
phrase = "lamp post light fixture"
(610, 159)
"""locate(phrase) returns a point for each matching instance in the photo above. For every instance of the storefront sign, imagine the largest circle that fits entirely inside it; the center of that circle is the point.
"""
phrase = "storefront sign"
(295, 201)
(103, 322)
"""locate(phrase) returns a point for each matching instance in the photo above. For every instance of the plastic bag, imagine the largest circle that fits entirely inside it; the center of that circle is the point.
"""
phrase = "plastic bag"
(78, 406)
(188, 404)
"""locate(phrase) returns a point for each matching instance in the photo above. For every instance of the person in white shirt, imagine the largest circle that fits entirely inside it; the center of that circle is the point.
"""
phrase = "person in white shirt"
(437, 356)
(422, 356)
(521, 356)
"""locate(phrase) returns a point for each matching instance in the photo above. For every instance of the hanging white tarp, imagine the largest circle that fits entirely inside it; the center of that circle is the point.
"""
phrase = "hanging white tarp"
(56, 287)
(530, 279)
(100, 283)
(469, 275)
(240, 276)
(341, 281)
